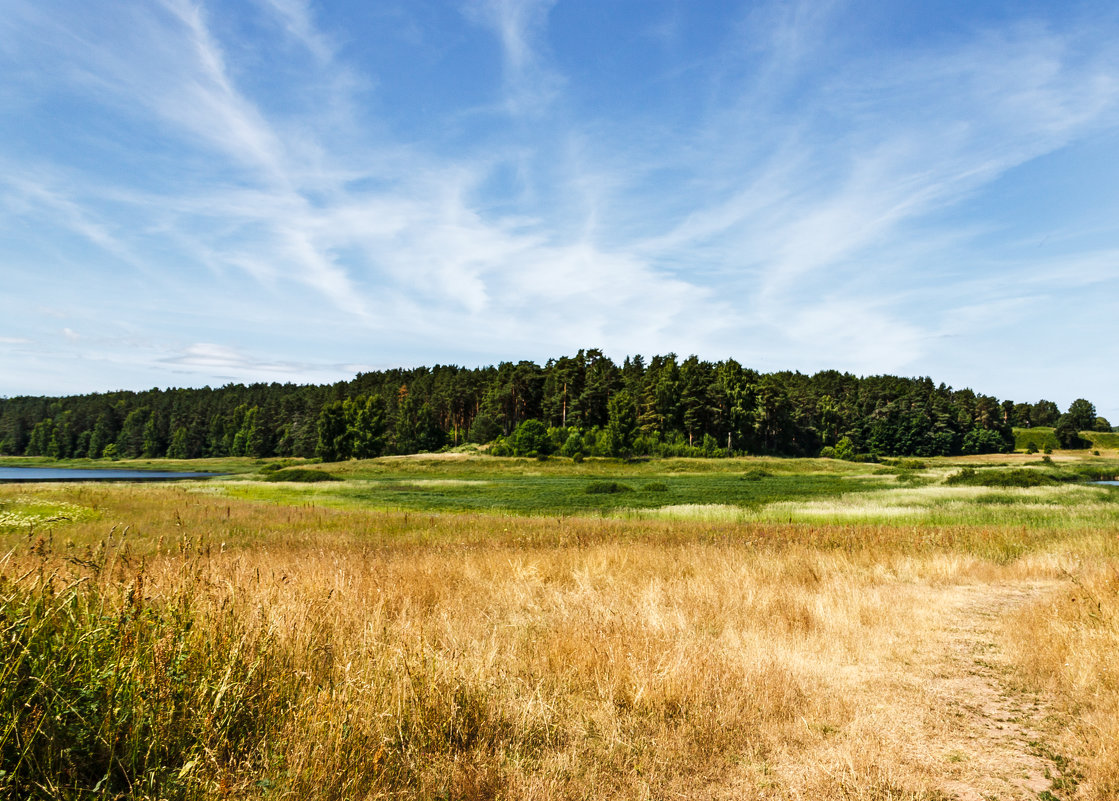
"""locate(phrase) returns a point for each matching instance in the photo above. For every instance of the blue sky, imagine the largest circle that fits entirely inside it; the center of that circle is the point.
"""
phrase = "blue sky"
(195, 193)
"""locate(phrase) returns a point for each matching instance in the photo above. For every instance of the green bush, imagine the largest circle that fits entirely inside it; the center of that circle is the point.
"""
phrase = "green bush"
(656, 486)
(606, 488)
(301, 475)
(1018, 477)
(530, 439)
(755, 474)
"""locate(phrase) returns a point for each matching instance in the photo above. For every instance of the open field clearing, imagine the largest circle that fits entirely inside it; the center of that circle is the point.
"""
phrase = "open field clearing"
(249, 639)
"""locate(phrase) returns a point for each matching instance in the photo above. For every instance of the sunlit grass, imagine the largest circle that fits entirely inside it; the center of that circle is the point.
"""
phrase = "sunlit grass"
(341, 653)
(741, 635)
(25, 512)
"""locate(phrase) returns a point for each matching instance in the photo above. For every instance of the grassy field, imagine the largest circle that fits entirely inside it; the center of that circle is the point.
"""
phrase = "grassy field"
(1045, 437)
(476, 628)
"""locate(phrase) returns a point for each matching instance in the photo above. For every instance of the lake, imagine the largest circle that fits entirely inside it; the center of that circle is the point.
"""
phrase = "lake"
(1108, 483)
(8, 474)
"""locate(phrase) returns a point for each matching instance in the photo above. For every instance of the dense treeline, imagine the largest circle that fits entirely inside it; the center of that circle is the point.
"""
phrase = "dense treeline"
(580, 405)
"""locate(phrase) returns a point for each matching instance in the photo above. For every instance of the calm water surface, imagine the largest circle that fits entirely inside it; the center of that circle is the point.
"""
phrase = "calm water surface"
(83, 474)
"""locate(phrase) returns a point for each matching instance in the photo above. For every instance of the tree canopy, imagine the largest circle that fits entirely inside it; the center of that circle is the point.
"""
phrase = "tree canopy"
(573, 405)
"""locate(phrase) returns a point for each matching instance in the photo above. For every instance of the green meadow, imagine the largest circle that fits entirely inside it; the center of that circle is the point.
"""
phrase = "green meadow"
(1012, 489)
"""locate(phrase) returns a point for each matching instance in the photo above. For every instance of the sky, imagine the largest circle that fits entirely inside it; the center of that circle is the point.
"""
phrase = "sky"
(198, 193)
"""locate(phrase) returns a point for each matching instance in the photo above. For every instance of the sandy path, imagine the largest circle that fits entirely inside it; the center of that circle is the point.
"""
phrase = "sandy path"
(998, 730)
(938, 716)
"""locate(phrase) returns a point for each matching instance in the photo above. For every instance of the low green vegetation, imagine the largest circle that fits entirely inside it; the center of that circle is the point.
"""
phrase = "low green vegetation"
(970, 477)
(107, 692)
(26, 512)
(528, 487)
(301, 475)
(1033, 440)
(606, 488)
(1103, 440)
(923, 492)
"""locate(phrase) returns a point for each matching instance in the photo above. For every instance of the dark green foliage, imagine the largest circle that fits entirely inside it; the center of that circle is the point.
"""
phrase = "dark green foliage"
(1068, 433)
(573, 446)
(1082, 414)
(622, 424)
(302, 475)
(484, 429)
(530, 439)
(334, 443)
(984, 440)
(970, 477)
(1044, 414)
(606, 488)
(587, 403)
(656, 486)
(365, 419)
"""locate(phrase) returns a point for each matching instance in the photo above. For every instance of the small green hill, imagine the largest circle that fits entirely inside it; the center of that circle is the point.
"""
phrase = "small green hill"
(1043, 437)
(1102, 440)
(1040, 437)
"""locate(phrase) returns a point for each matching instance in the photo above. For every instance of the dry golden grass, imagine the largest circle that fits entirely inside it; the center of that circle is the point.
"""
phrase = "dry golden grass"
(468, 656)
(1068, 646)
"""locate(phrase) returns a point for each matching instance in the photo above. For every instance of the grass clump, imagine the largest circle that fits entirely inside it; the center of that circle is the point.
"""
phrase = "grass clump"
(656, 486)
(606, 488)
(1015, 477)
(103, 694)
(272, 467)
(301, 475)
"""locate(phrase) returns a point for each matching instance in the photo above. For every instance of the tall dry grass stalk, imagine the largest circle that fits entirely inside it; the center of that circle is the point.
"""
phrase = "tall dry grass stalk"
(1068, 645)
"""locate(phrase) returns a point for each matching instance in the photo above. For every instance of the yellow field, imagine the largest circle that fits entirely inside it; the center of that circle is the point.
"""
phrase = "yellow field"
(300, 652)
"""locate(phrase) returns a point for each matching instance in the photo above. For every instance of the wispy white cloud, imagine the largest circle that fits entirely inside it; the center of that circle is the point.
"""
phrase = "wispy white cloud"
(233, 364)
(297, 20)
(530, 85)
(848, 206)
(796, 221)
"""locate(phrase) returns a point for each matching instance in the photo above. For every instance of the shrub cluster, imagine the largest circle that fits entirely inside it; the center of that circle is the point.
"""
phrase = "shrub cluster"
(1017, 477)
(302, 475)
(606, 488)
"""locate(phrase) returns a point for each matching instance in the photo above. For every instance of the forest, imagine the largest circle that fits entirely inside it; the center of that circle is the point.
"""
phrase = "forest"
(581, 405)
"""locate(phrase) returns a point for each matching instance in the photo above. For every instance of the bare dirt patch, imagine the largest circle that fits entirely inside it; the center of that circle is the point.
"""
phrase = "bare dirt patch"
(935, 713)
(996, 730)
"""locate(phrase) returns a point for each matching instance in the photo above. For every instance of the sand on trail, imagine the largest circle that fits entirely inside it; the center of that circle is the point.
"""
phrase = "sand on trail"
(1000, 729)
(937, 714)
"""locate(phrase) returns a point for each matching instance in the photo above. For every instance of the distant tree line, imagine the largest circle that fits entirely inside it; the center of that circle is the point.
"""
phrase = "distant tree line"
(579, 405)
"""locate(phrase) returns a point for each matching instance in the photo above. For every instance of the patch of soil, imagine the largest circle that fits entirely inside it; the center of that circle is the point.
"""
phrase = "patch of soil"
(999, 729)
